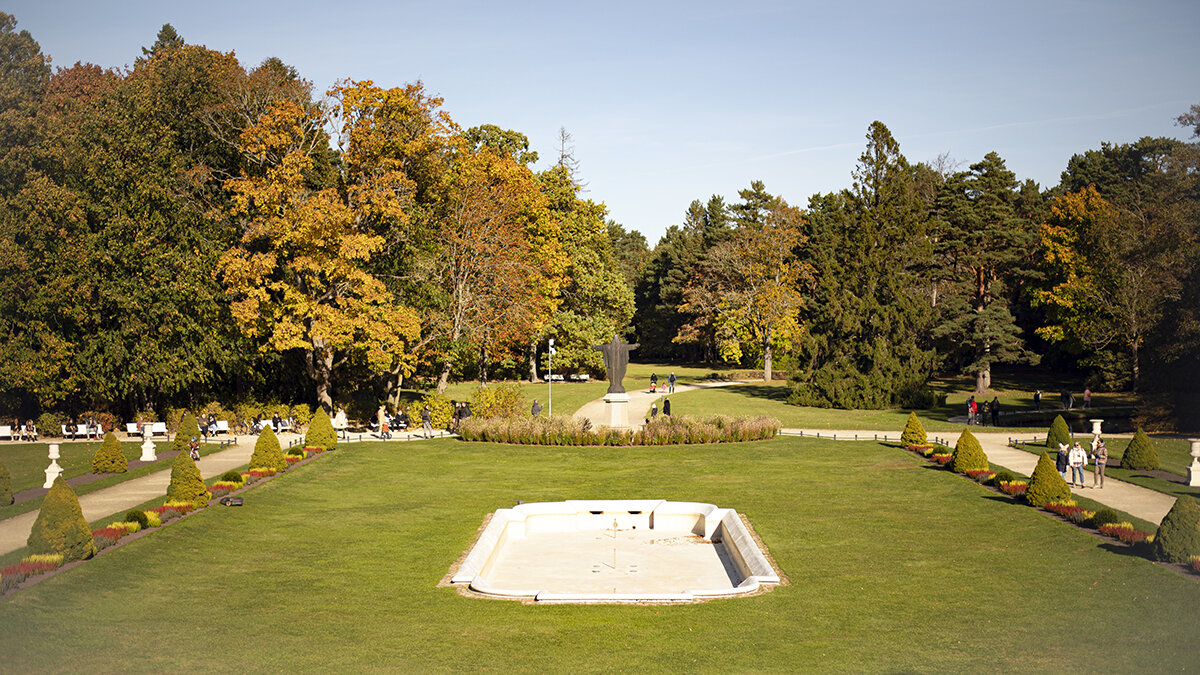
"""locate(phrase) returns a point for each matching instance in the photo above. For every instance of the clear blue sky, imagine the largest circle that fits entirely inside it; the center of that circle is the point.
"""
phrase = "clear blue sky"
(674, 101)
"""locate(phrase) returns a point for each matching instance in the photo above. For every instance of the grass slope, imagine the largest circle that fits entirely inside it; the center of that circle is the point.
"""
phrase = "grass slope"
(894, 565)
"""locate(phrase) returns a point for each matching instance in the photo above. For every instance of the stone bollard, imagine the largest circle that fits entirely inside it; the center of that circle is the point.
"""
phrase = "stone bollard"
(148, 450)
(1194, 469)
(54, 470)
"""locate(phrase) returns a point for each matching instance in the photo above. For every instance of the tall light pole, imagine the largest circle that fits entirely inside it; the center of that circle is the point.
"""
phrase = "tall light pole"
(550, 381)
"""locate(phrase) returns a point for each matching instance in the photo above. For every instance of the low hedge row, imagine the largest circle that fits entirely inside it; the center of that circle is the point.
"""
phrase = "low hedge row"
(663, 430)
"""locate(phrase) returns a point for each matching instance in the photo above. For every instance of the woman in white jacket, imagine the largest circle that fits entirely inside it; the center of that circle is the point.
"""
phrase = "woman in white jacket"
(1077, 459)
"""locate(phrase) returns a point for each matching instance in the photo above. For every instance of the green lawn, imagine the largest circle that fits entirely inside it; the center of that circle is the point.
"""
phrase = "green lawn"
(28, 461)
(894, 565)
(1173, 455)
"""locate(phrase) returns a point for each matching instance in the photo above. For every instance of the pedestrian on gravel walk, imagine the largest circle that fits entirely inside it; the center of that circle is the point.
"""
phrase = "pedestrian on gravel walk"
(1100, 457)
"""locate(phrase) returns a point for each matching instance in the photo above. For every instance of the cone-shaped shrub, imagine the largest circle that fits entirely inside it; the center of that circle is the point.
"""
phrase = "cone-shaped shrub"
(60, 527)
(968, 455)
(6, 495)
(186, 483)
(267, 454)
(1178, 537)
(914, 433)
(187, 429)
(320, 432)
(1059, 433)
(109, 457)
(1141, 453)
(1046, 485)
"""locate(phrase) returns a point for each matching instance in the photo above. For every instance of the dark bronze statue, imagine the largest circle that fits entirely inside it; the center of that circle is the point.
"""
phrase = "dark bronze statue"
(616, 357)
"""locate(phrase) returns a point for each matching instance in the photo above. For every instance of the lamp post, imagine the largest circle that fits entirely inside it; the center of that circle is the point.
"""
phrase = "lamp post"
(550, 380)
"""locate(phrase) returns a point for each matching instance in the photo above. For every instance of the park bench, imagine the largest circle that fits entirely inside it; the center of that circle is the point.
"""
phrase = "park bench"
(84, 430)
(156, 429)
(579, 377)
(554, 377)
(222, 427)
(6, 431)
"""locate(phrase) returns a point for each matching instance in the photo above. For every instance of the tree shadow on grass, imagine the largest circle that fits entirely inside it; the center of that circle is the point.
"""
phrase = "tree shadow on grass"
(769, 392)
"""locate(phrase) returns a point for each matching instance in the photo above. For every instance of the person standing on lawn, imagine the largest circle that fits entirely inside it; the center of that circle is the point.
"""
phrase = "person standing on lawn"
(1037, 400)
(671, 385)
(427, 422)
(995, 410)
(1077, 460)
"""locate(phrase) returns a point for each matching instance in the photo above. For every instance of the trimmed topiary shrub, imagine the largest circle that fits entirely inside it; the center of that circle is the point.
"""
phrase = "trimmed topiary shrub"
(968, 455)
(1002, 477)
(1141, 453)
(110, 456)
(186, 482)
(187, 429)
(267, 454)
(60, 527)
(320, 432)
(6, 493)
(231, 476)
(914, 432)
(1104, 516)
(1058, 433)
(1178, 537)
(1046, 485)
(139, 517)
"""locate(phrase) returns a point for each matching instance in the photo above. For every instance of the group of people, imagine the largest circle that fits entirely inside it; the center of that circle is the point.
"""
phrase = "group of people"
(977, 411)
(1066, 398)
(1075, 458)
(654, 383)
(666, 409)
(87, 429)
(24, 432)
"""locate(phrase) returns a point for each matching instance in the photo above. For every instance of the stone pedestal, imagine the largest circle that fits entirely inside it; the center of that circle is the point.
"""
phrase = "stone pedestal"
(54, 470)
(149, 451)
(617, 410)
(1194, 469)
(1096, 426)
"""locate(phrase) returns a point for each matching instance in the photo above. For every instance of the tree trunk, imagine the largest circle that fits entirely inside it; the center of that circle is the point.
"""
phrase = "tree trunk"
(395, 382)
(1136, 365)
(444, 378)
(983, 379)
(483, 365)
(533, 361)
(319, 363)
(767, 355)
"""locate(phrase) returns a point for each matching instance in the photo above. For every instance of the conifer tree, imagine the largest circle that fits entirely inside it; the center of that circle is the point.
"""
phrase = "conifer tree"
(1178, 537)
(110, 456)
(968, 454)
(1046, 485)
(1059, 434)
(6, 493)
(188, 429)
(187, 485)
(320, 432)
(914, 432)
(267, 453)
(1141, 453)
(60, 526)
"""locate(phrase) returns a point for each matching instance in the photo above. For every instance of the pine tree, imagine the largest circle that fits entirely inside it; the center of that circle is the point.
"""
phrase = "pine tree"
(6, 493)
(188, 429)
(267, 453)
(1178, 537)
(914, 432)
(1058, 434)
(60, 526)
(1046, 485)
(320, 432)
(187, 485)
(110, 456)
(968, 454)
(1140, 454)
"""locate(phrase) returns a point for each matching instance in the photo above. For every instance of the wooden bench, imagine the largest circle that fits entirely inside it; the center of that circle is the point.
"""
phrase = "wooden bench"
(222, 427)
(84, 430)
(6, 431)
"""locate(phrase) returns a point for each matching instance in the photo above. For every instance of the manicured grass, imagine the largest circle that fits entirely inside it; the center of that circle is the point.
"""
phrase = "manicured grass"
(894, 565)
(1172, 455)
(30, 462)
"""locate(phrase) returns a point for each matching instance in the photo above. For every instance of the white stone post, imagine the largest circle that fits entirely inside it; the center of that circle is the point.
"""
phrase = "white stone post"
(148, 449)
(618, 410)
(54, 470)
(1096, 426)
(1194, 469)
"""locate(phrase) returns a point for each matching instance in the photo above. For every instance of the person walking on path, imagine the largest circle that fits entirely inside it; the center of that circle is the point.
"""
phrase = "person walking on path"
(653, 410)
(427, 422)
(1087, 397)
(536, 408)
(381, 418)
(667, 406)
(1077, 460)
(653, 382)
(1100, 457)
(1037, 400)
(670, 388)
(994, 408)
(1060, 461)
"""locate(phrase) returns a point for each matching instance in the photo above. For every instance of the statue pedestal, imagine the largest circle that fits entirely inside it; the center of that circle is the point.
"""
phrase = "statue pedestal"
(617, 410)
(148, 451)
(1194, 469)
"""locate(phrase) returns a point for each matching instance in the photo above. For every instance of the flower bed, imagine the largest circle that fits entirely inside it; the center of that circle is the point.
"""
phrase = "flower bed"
(13, 575)
(1194, 563)
(258, 473)
(981, 475)
(1125, 532)
(1070, 511)
(941, 458)
(292, 459)
(1015, 488)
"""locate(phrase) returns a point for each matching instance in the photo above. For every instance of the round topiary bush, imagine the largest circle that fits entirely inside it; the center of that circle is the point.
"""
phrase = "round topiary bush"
(1046, 484)
(267, 454)
(139, 517)
(1002, 477)
(320, 432)
(60, 526)
(968, 454)
(110, 456)
(1178, 537)
(231, 477)
(186, 483)
(188, 429)
(6, 493)
(1104, 516)
(914, 432)
(1058, 433)
(1140, 454)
